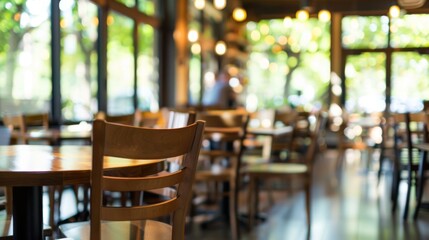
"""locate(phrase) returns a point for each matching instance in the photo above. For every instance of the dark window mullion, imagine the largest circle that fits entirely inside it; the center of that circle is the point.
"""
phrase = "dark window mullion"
(102, 58)
(55, 63)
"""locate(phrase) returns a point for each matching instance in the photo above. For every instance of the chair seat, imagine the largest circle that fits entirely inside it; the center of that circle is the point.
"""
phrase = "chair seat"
(145, 229)
(277, 168)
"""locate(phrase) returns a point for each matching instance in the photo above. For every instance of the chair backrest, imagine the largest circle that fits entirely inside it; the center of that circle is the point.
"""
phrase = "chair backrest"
(116, 140)
(409, 128)
(149, 119)
(315, 137)
(127, 119)
(17, 127)
(225, 132)
(36, 120)
(180, 119)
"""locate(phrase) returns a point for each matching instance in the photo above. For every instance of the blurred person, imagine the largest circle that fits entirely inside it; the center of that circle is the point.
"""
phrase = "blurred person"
(220, 94)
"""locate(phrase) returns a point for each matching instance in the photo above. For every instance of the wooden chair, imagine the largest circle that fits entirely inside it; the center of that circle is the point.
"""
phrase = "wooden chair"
(175, 120)
(296, 168)
(220, 160)
(353, 135)
(21, 124)
(287, 146)
(17, 127)
(409, 129)
(115, 140)
(127, 119)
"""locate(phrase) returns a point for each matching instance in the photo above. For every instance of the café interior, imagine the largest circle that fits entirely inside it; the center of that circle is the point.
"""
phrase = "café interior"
(214, 119)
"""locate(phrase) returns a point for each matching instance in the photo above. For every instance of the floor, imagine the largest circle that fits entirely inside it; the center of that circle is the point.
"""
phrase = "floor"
(346, 204)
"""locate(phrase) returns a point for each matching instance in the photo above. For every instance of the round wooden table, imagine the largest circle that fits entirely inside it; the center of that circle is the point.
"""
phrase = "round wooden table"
(27, 168)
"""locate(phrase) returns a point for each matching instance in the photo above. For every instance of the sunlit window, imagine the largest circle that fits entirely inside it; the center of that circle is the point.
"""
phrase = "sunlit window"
(147, 73)
(149, 7)
(365, 82)
(78, 59)
(365, 32)
(409, 31)
(25, 67)
(289, 62)
(120, 64)
(410, 81)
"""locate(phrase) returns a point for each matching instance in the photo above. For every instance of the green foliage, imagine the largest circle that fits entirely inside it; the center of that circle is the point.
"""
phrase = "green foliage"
(287, 57)
(365, 32)
(406, 33)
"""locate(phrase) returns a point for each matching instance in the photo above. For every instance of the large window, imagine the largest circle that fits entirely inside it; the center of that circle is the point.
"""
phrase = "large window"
(120, 65)
(150, 7)
(147, 74)
(79, 59)
(25, 69)
(289, 63)
(409, 31)
(366, 82)
(366, 63)
(410, 81)
(365, 32)
(203, 65)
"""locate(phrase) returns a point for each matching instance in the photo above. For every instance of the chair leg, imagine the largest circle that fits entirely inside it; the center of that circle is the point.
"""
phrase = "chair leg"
(9, 200)
(395, 188)
(51, 190)
(252, 193)
(340, 159)
(421, 183)
(407, 200)
(380, 164)
(308, 203)
(233, 210)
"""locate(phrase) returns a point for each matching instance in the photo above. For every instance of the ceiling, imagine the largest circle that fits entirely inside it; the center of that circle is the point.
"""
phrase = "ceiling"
(271, 9)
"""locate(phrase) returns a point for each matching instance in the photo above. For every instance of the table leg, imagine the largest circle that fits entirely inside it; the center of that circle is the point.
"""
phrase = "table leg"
(27, 213)
(266, 148)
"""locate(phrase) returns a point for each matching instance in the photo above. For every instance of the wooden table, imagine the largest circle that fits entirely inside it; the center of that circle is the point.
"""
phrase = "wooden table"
(56, 135)
(270, 133)
(27, 168)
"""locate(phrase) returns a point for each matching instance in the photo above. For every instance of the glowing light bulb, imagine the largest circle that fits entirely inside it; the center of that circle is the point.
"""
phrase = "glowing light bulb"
(239, 14)
(219, 4)
(200, 4)
(324, 15)
(193, 36)
(302, 15)
(394, 11)
(220, 48)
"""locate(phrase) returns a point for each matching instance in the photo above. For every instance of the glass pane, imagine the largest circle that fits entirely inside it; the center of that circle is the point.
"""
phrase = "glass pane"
(195, 79)
(120, 65)
(289, 63)
(25, 52)
(149, 7)
(365, 32)
(365, 82)
(79, 59)
(147, 73)
(408, 31)
(128, 3)
(195, 61)
(410, 81)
